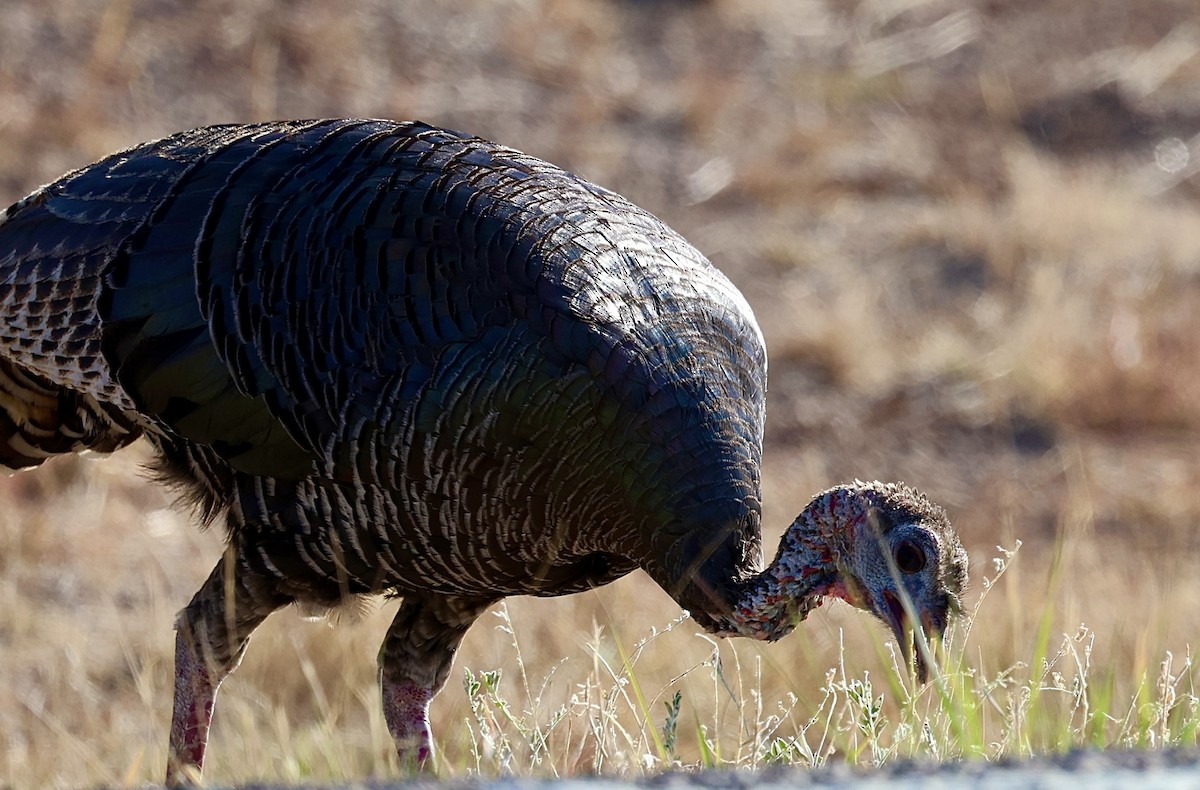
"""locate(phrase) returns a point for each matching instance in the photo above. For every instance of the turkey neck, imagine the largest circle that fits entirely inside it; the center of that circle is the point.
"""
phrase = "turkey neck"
(770, 604)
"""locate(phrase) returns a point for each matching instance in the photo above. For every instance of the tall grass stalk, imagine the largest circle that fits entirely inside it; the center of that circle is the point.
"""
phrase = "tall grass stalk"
(1054, 700)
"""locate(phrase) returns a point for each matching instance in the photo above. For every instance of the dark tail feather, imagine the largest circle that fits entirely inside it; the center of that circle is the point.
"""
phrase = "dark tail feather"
(39, 419)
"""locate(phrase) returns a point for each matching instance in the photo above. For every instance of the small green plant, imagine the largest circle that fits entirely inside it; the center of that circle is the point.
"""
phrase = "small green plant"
(670, 728)
(782, 751)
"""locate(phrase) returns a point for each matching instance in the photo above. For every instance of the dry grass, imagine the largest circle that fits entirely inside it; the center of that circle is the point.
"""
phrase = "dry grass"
(972, 237)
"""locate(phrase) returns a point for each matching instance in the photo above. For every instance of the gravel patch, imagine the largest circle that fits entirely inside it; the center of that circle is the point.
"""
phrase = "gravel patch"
(1115, 769)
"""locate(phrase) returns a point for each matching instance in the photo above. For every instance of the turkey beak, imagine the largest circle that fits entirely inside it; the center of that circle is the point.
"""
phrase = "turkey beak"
(906, 636)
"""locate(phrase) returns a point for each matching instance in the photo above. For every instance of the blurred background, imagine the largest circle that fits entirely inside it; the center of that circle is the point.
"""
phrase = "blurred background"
(970, 231)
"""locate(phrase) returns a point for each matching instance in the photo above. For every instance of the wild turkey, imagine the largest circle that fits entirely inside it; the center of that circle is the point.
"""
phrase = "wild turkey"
(396, 359)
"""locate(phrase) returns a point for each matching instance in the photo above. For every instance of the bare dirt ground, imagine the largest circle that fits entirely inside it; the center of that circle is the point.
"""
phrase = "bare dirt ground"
(970, 231)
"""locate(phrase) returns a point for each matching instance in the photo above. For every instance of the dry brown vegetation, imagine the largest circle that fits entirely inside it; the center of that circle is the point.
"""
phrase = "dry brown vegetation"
(971, 232)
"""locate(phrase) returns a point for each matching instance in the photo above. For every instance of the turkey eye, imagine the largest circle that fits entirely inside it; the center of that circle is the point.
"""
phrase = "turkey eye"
(909, 557)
